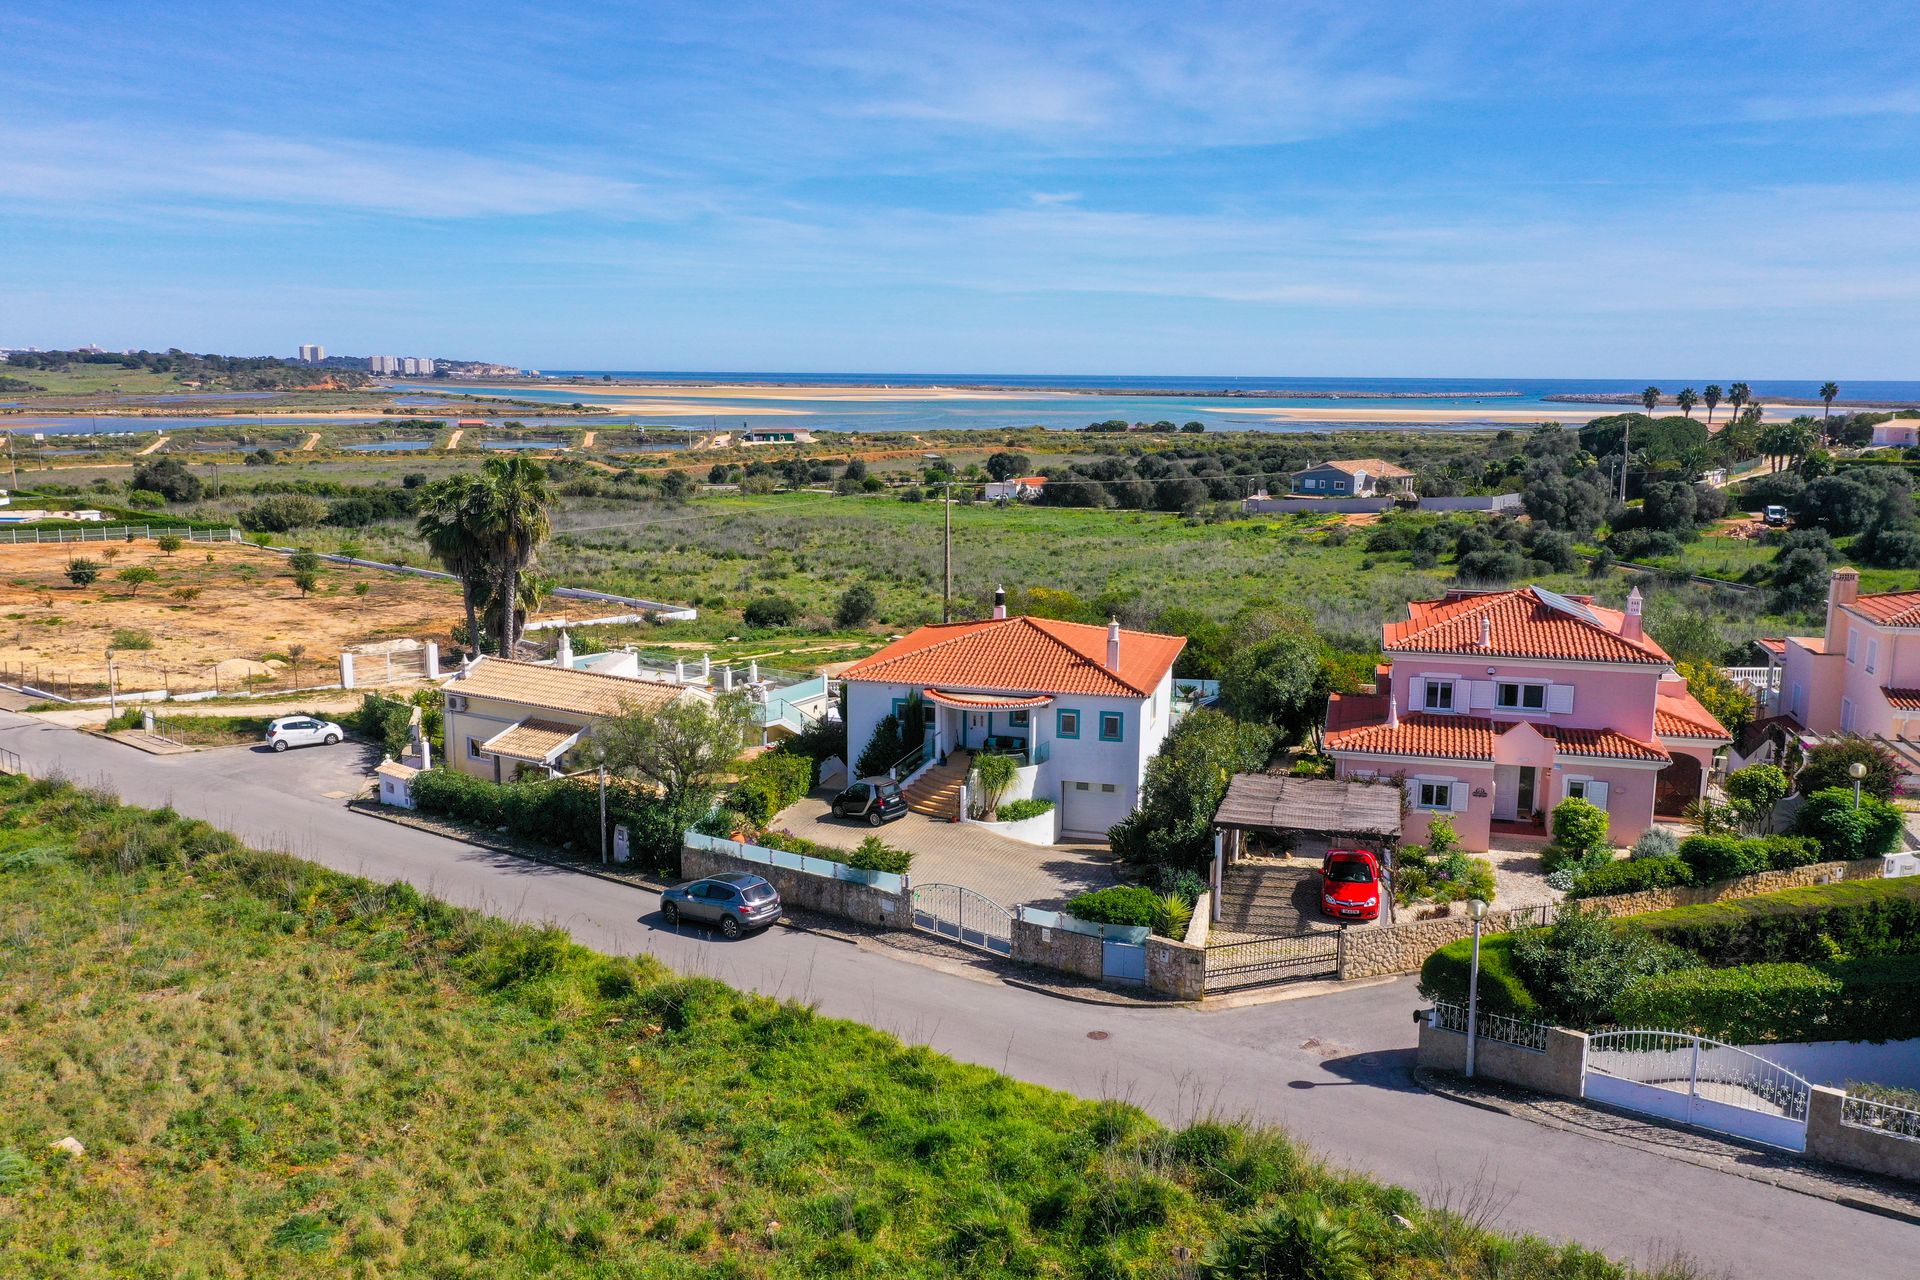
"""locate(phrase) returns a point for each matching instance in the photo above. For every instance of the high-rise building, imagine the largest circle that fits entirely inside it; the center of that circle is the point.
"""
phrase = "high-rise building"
(383, 364)
(312, 353)
(417, 366)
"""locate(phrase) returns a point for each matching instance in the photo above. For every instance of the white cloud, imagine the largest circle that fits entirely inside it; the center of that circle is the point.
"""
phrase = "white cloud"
(1815, 104)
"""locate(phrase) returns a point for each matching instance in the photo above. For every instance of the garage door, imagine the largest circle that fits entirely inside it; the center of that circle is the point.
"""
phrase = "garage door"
(1089, 808)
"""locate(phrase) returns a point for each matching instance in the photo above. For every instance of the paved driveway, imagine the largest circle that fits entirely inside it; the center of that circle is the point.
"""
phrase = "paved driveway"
(1010, 872)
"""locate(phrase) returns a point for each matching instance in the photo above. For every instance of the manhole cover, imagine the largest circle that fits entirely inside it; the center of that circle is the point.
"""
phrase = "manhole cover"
(1097, 1035)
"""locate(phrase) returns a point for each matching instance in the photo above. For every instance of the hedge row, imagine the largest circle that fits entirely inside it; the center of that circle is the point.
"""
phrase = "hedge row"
(1445, 975)
(1631, 875)
(769, 783)
(1700, 860)
(1870, 999)
(558, 811)
(1854, 918)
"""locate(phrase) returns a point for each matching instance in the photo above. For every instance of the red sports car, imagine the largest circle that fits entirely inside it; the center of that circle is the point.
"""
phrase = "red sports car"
(1350, 885)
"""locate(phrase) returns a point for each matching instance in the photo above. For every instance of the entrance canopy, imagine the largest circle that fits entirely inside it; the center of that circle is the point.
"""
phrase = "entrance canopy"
(987, 701)
(1264, 802)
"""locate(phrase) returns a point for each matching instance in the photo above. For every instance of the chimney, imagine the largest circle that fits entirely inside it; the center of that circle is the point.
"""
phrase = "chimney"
(564, 657)
(1113, 644)
(1393, 710)
(1631, 627)
(1486, 632)
(1842, 590)
(999, 603)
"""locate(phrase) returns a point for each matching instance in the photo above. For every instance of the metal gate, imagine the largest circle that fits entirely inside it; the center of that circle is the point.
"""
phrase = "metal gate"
(1285, 957)
(1122, 961)
(1697, 1081)
(958, 913)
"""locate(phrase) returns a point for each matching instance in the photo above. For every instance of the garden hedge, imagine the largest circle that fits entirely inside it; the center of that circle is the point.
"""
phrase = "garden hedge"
(554, 811)
(1631, 876)
(1853, 918)
(1871, 999)
(1444, 976)
(1714, 858)
(769, 783)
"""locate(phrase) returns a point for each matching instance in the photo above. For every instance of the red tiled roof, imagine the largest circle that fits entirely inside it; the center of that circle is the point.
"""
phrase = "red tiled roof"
(1524, 623)
(1903, 699)
(1377, 467)
(1773, 644)
(1891, 608)
(1023, 654)
(1472, 738)
(985, 701)
(1678, 714)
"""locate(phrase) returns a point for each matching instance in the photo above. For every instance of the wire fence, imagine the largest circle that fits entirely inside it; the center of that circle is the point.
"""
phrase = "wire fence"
(120, 533)
(228, 676)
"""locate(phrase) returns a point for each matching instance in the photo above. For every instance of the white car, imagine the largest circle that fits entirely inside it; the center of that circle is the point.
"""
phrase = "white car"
(302, 731)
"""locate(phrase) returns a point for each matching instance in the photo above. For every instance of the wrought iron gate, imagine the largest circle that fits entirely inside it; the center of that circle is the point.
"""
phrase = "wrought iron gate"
(1700, 1082)
(1284, 957)
(962, 915)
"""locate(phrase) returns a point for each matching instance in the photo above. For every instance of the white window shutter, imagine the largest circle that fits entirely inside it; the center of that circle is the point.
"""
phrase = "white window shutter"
(1482, 696)
(1417, 694)
(1559, 698)
(1597, 794)
(1459, 796)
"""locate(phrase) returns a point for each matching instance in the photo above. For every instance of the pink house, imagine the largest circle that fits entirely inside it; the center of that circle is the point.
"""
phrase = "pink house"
(1863, 675)
(1494, 706)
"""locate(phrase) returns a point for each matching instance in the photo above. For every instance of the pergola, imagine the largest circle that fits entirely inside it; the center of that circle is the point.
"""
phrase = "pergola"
(1356, 814)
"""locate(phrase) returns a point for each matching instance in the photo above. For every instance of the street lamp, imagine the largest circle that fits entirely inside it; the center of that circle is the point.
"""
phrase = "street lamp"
(1477, 910)
(1856, 771)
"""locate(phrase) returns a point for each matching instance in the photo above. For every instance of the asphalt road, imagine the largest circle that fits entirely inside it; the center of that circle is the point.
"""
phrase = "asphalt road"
(1332, 1069)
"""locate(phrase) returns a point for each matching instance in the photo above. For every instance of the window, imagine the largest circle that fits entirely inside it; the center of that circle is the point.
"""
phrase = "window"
(1439, 695)
(1576, 788)
(1522, 697)
(1591, 790)
(473, 749)
(1112, 726)
(1846, 715)
(1853, 646)
(1019, 719)
(1066, 724)
(1435, 795)
(1340, 486)
(1873, 651)
(928, 714)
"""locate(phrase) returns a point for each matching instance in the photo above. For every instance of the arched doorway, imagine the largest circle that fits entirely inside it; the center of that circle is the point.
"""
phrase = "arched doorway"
(1677, 787)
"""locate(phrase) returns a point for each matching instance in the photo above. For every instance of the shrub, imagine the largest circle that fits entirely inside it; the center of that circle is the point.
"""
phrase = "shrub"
(131, 638)
(769, 783)
(1122, 904)
(1853, 918)
(1578, 965)
(1787, 852)
(1826, 767)
(1847, 832)
(1714, 858)
(1301, 1243)
(554, 811)
(1021, 810)
(1445, 974)
(875, 854)
(169, 543)
(384, 720)
(1869, 999)
(1655, 842)
(771, 611)
(1580, 827)
(83, 572)
(1754, 791)
(1630, 876)
(281, 512)
(856, 607)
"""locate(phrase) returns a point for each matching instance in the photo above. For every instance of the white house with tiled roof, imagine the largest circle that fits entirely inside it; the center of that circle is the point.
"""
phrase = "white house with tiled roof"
(505, 717)
(1862, 675)
(1352, 478)
(1496, 706)
(1084, 707)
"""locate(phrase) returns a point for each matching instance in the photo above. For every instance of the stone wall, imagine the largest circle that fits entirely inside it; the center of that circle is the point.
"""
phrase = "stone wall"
(1633, 904)
(1178, 969)
(826, 894)
(1558, 1070)
(1830, 1138)
(1062, 949)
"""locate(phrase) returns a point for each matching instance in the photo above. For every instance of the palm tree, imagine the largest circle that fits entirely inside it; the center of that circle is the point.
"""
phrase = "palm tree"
(515, 524)
(1712, 396)
(1738, 394)
(451, 520)
(1829, 391)
(1650, 397)
(1687, 398)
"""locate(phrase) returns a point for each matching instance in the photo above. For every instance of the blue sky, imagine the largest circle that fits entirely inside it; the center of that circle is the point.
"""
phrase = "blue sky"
(1269, 188)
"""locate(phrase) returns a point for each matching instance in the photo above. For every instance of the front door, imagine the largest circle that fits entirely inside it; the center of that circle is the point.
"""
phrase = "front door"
(976, 730)
(1523, 793)
(1514, 789)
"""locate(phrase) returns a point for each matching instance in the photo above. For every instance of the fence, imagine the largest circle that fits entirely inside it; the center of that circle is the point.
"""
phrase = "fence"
(885, 881)
(1881, 1117)
(1287, 957)
(1517, 1032)
(10, 763)
(1701, 1082)
(119, 533)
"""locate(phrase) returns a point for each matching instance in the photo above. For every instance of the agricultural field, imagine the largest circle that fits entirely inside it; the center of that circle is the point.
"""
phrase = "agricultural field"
(275, 1070)
(227, 606)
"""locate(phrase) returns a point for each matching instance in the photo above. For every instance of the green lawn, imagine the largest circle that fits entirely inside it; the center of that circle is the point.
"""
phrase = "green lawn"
(279, 1071)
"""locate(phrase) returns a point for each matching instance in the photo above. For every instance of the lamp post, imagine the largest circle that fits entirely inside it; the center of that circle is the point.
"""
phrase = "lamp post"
(1856, 771)
(1477, 910)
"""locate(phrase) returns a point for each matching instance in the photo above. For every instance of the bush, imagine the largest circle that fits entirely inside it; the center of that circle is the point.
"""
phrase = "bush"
(83, 572)
(1655, 842)
(1630, 876)
(856, 607)
(769, 783)
(281, 512)
(383, 720)
(1714, 858)
(1021, 810)
(1445, 974)
(1820, 922)
(554, 811)
(1826, 768)
(1580, 828)
(875, 854)
(1122, 904)
(1845, 832)
(771, 611)
(1868, 999)
(1787, 852)
(1755, 790)
(1578, 966)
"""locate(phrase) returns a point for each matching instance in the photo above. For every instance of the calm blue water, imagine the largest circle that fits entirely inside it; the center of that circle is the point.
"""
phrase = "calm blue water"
(521, 444)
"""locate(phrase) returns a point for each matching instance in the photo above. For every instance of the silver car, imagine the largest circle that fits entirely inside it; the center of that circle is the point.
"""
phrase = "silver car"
(736, 903)
(302, 731)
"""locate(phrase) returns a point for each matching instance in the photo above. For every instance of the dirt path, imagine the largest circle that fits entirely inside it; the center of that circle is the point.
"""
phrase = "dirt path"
(323, 701)
(453, 441)
(312, 440)
(150, 448)
(586, 441)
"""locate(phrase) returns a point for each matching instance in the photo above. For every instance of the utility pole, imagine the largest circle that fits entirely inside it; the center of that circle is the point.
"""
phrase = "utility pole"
(946, 599)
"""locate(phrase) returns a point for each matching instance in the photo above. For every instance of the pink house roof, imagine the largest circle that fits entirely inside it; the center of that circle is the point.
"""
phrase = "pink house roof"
(1473, 737)
(1678, 714)
(1890, 608)
(1025, 654)
(1528, 622)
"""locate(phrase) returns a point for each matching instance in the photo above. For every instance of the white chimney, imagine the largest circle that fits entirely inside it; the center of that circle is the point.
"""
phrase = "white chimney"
(1393, 710)
(999, 602)
(565, 655)
(1631, 626)
(1486, 632)
(1113, 644)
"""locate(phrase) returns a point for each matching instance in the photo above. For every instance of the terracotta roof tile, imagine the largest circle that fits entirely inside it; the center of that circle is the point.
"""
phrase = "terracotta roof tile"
(1678, 714)
(1891, 608)
(1472, 738)
(986, 701)
(1023, 655)
(586, 693)
(1524, 623)
(1372, 466)
(1903, 699)
(1601, 742)
(531, 739)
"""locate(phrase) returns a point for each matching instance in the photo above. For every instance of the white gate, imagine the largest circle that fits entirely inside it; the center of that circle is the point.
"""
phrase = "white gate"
(962, 915)
(1697, 1081)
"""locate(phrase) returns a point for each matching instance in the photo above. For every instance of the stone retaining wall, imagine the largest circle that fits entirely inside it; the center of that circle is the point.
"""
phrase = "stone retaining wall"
(1558, 1070)
(1831, 1138)
(827, 894)
(1061, 949)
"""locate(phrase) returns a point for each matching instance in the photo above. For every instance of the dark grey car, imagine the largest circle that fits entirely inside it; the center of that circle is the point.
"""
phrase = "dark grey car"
(735, 903)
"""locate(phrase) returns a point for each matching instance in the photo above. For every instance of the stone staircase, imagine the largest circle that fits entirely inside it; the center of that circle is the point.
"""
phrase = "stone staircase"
(1270, 895)
(936, 793)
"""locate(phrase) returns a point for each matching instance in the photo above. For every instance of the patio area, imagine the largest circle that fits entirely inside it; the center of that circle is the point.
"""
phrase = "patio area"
(1007, 871)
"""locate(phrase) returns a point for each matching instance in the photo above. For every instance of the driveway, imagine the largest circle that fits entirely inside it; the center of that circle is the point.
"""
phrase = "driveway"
(1010, 872)
(1334, 1069)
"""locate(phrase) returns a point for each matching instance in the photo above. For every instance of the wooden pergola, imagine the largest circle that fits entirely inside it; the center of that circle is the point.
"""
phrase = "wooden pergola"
(1353, 814)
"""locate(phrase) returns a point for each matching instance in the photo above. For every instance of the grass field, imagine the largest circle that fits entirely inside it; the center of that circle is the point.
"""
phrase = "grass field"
(279, 1071)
